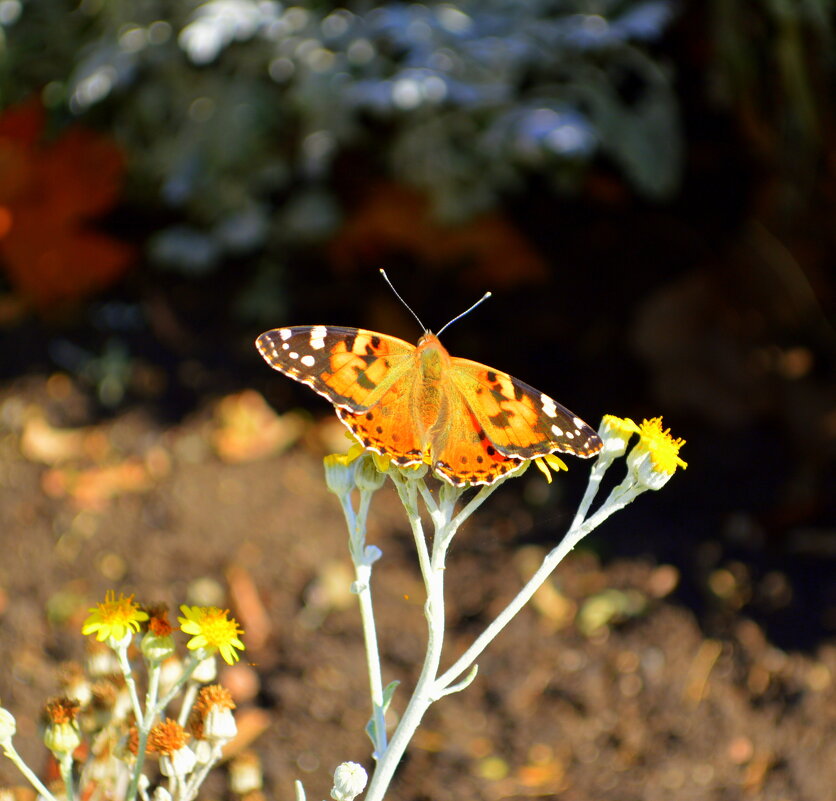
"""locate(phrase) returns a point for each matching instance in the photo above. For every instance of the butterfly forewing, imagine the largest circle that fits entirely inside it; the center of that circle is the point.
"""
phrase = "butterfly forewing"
(520, 421)
(351, 367)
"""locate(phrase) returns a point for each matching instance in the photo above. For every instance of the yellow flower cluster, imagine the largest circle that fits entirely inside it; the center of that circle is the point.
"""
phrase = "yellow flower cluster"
(212, 630)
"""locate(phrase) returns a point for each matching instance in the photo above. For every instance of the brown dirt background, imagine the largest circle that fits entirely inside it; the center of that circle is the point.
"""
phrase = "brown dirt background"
(685, 701)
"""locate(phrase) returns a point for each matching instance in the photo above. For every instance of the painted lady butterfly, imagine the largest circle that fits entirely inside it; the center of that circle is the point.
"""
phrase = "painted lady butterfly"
(472, 423)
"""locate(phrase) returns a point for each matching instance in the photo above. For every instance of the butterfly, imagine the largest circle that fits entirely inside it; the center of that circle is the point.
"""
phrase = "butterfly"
(416, 404)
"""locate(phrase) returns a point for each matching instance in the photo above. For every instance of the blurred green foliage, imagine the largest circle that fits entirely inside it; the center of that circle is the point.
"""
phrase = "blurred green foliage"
(237, 115)
(773, 63)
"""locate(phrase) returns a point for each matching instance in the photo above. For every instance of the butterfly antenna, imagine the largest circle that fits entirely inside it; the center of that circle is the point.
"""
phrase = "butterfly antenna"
(397, 295)
(467, 311)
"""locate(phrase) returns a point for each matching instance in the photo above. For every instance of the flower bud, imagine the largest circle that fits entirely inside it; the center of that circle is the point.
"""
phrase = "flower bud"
(168, 739)
(156, 649)
(245, 774)
(369, 475)
(62, 735)
(8, 726)
(349, 781)
(616, 433)
(219, 724)
(178, 763)
(213, 714)
(157, 644)
(206, 671)
(339, 473)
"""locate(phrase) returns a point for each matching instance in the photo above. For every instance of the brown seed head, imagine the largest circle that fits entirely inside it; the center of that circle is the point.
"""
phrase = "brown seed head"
(61, 710)
(213, 695)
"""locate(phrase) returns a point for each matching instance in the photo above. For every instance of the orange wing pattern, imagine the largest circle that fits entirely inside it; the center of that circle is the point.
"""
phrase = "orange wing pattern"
(519, 420)
(351, 367)
(472, 423)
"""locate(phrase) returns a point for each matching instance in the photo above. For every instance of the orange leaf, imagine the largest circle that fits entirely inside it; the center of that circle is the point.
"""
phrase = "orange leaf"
(48, 193)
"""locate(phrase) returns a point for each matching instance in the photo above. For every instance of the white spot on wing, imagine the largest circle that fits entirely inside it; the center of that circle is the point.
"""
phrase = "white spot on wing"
(548, 406)
(557, 431)
(293, 354)
(285, 333)
(579, 424)
(318, 333)
(308, 360)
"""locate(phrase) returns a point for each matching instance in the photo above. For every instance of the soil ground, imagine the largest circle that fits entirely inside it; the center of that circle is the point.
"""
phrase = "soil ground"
(644, 706)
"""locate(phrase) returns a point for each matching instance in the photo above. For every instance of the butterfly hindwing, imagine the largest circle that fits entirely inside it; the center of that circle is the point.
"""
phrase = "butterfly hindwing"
(520, 421)
(387, 428)
(467, 455)
(352, 367)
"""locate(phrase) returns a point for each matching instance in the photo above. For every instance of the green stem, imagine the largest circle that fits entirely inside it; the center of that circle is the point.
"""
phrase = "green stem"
(188, 700)
(363, 586)
(599, 467)
(125, 666)
(618, 499)
(65, 765)
(433, 570)
(152, 711)
(192, 785)
(12, 754)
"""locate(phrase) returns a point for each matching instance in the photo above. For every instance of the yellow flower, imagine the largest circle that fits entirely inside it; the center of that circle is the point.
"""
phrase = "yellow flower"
(115, 619)
(212, 630)
(656, 456)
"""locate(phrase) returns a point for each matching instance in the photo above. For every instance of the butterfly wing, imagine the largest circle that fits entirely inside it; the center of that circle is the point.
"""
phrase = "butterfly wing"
(519, 421)
(352, 367)
(387, 427)
(464, 454)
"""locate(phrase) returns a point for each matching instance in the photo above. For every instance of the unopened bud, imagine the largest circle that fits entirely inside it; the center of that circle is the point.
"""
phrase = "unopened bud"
(349, 781)
(8, 726)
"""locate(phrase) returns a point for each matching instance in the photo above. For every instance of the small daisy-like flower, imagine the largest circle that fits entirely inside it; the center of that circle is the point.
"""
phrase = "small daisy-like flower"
(116, 620)
(62, 735)
(212, 630)
(616, 433)
(213, 709)
(655, 457)
(168, 738)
